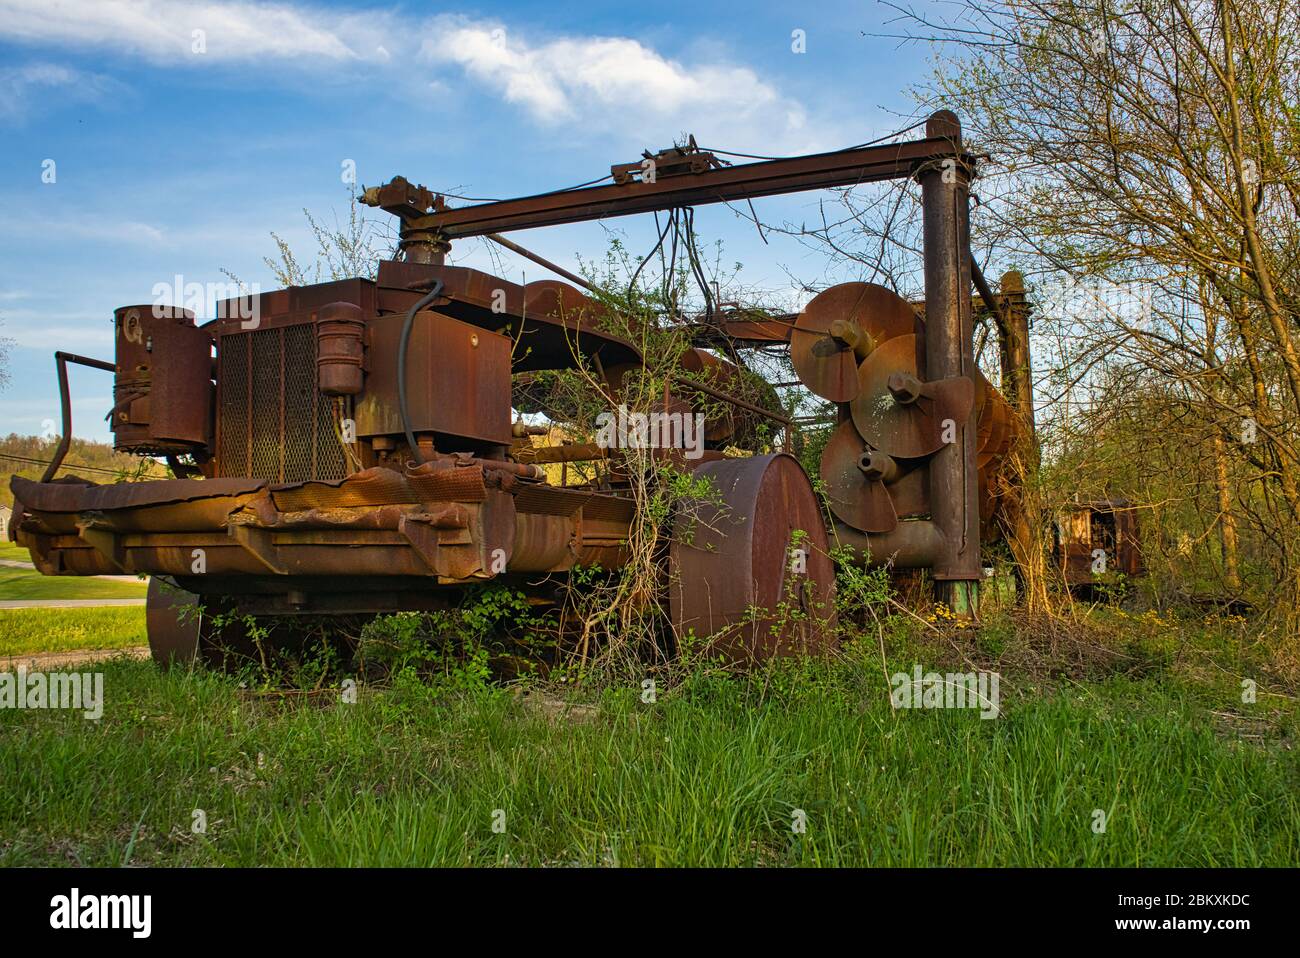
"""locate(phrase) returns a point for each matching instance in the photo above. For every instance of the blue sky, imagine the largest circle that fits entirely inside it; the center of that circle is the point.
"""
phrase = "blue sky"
(171, 160)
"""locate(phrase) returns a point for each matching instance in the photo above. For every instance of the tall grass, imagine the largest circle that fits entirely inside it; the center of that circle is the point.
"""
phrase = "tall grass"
(713, 773)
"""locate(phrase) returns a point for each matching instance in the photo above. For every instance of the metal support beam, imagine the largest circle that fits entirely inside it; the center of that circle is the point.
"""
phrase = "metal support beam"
(953, 477)
(746, 181)
(1017, 369)
(541, 261)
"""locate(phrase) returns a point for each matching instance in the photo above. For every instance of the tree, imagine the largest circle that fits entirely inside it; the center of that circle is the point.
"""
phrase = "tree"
(6, 344)
(1145, 152)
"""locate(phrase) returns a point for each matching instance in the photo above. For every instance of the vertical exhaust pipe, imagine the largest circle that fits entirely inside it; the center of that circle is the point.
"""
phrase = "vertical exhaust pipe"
(953, 478)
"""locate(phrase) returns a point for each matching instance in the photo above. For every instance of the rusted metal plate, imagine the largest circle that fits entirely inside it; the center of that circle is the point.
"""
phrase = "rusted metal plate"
(907, 427)
(897, 428)
(441, 481)
(855, 499)
(458, 382)
(736, 577)
(727, 421)
(867, 314)
(909, 495)
(560, 301)
(490, 302)
(827, 367)
(370, 487)
(172, 623)
(83, 496)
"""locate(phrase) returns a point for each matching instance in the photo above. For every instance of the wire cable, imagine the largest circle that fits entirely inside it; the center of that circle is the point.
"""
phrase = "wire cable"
(422, 302)
(858, 146)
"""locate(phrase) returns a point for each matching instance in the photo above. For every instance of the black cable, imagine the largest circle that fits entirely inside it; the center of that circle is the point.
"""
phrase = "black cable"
(858, 146)
(472, 199)
(670, 277)
(696, 266)
(497, 199)
(422, 302)
(631, 286)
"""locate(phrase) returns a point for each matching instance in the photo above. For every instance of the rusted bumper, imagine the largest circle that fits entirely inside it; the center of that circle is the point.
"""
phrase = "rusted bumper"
(454, 520)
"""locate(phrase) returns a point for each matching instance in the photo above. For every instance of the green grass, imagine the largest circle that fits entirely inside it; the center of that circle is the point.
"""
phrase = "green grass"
(30, 584)
(61, 630)
(709, 775)
(10, 551)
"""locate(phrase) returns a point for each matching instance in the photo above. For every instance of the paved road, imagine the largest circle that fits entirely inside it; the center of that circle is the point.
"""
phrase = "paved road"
(65, 603)
(41, 661)
(19, 564)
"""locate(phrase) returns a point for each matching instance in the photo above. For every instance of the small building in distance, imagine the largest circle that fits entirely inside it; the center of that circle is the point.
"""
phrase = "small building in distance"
(1095, 542)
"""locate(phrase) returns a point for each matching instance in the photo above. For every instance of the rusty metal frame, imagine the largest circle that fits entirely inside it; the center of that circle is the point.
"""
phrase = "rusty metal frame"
(746, 181)
(937, 162)
(62, 359)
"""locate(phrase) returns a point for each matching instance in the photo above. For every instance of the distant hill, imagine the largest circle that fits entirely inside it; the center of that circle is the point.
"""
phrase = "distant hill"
(27, 456)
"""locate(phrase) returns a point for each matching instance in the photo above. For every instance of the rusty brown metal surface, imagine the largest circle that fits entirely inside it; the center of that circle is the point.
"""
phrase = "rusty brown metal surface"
(949, 352)
(458, 382)
(854, 497)
(876, 469)
(746, 181)
(917, 544)
(545, 341)
(733, 570)
(172, 623)
(741, 330)
(162, 389)
(340, 349)
(900, 414)
(558, 301)
(1108, 527)
(312, 491)
(85, 496)
(839, 328)
(453, 519)
(718, 379)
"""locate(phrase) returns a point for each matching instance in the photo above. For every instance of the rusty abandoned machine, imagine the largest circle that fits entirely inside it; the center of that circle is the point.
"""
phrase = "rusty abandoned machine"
(354, 450)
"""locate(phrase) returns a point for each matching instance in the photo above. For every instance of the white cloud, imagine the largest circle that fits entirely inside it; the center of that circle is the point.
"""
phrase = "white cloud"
(32, 85)
(31, 330)
(612, 81)
(129, 232)
(594, 83)
(164, 30)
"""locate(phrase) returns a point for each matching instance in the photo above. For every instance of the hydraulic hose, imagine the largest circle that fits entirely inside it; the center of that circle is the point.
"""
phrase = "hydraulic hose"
(424, 301)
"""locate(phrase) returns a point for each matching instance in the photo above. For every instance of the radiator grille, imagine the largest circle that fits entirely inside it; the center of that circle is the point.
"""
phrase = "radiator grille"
(273, 423)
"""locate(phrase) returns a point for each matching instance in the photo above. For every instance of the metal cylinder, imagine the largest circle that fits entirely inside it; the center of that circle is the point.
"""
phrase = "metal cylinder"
(917, 544)
(879, 467)
(162, 386)
(945, 196)
(340, 349)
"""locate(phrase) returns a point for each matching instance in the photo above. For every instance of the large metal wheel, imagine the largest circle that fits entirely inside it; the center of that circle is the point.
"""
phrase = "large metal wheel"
(750, 568)
(172, 623)
(181, 629)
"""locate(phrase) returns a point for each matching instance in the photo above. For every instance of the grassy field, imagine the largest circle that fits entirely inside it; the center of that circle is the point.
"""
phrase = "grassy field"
(23, 631)
(30, 584)
(10, 551)
(716, 771)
